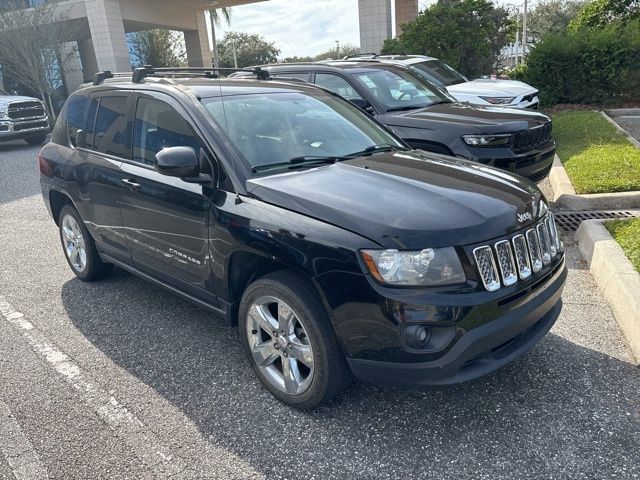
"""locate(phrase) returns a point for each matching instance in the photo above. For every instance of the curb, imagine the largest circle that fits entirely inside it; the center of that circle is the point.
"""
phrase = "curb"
(619, 128)
(618, 281)
(565, 197)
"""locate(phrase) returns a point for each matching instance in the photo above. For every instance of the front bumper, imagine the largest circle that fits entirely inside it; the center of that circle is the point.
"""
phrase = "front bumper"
(478, 351)
(534, 165)
(24, 128)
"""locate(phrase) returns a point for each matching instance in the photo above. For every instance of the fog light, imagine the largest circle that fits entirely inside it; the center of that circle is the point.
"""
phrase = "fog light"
(417, 336)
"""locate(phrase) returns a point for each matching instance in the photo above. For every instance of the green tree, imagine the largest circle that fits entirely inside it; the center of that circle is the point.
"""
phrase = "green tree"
(467, 34)
(158, 47)
(331, 54)
(600, 13)
(217, 16)
(248, 49)
(552, 16)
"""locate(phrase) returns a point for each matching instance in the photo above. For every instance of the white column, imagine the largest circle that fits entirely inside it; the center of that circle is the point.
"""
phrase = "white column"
(375, 24)
(197, 43)
(107, 34)
(71, 66)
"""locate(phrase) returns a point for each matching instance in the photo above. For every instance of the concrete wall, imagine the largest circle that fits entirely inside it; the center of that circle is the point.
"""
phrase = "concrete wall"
(406, 10)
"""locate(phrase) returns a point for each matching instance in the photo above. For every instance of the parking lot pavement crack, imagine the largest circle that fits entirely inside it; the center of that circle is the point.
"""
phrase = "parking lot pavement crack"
(18, 451)
(126, 425)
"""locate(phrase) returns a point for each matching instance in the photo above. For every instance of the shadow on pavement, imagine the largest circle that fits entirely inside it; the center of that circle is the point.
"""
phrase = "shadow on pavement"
(560, 411)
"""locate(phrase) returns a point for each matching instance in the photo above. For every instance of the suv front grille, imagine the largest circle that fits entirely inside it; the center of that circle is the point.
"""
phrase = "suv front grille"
(519, 256)
(21, 110)
(527, 140)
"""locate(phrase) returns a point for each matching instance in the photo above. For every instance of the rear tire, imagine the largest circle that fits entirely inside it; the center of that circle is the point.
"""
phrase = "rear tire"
(79, 248)
(39, 140)
(305, 367)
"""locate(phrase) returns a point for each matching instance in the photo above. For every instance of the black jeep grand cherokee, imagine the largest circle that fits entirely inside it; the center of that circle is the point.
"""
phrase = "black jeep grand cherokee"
(336, 248)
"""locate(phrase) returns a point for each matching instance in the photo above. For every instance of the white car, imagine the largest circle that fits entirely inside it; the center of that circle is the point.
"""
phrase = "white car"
(506, 93)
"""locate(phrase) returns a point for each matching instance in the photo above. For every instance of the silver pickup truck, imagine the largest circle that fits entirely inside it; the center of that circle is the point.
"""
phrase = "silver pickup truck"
(23, 118)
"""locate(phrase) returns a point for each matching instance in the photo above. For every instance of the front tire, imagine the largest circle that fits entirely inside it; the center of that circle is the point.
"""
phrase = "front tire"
(288, 339)
(39, 140)
(79, 248)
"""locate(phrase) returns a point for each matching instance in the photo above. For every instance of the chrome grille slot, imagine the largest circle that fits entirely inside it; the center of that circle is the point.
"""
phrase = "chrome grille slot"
(543, 236)
(518, 257)
(506, 263)
(487, 268)
(534, 250)
(522, 256)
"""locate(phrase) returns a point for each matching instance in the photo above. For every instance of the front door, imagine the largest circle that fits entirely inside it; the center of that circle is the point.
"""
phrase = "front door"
(165, 219)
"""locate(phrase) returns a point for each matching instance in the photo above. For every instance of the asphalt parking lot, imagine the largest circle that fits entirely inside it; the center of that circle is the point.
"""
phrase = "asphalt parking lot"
(119, 379)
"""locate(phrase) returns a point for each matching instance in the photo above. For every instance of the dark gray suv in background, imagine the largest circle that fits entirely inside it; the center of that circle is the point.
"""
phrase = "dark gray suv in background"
(428, 118)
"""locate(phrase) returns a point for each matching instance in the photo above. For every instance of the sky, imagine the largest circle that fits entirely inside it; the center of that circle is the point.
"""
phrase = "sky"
(299, 27)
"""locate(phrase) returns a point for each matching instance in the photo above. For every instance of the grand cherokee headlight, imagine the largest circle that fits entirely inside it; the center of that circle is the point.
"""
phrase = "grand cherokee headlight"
(499, 100)
(428, 267)
(487, 140)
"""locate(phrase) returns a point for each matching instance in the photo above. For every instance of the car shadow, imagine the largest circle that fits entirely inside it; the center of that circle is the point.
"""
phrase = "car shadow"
(560, 408)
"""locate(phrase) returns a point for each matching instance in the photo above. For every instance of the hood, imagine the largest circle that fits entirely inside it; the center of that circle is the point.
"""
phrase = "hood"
(7, 99)
(492, 88)
(407, 200)
(465, 116)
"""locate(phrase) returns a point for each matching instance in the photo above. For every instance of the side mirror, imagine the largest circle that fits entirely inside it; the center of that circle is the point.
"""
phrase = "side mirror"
(177, 162)
(363, 105)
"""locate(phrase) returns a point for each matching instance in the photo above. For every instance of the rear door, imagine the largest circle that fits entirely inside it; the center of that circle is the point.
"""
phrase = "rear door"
(96, 166)
(166, 219)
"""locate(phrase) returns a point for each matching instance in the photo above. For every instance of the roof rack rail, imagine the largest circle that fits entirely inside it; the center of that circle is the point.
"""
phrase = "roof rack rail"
(100, 77)
(140, 73)
(359, 55)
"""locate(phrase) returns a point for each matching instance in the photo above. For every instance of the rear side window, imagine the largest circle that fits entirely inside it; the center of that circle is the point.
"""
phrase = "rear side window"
(299, 75)
(109, 134)
(76, 115)
(158, 125)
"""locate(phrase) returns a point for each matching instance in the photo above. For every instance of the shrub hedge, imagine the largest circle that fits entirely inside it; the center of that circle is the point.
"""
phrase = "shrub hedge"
(593, 66)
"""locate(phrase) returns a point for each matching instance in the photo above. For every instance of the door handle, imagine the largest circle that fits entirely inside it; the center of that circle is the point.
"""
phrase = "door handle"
(132, 184)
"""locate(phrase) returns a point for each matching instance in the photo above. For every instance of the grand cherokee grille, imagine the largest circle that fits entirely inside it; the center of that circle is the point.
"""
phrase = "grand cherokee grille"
(20, 110)
(527, 140)
(518, 257)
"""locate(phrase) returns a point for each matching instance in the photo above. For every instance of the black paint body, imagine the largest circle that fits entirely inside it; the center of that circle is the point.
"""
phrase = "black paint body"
(207, 242)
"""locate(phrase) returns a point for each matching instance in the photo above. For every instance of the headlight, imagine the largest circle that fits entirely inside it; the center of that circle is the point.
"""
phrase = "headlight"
(431, 266)
(499, 100)
(487, 140)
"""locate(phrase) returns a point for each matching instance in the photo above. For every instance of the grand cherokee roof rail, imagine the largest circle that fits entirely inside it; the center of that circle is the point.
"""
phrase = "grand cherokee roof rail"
(360, 55)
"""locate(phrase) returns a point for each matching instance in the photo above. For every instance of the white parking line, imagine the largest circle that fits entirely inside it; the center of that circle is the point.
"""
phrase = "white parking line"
(17, 449)
(136, 435)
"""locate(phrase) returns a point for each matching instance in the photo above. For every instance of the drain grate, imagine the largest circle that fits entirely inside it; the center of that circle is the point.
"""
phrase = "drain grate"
(570, 221)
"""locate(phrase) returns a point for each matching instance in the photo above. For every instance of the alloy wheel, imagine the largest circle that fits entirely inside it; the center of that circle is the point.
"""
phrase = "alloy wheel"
(280, 345)
(74, 243)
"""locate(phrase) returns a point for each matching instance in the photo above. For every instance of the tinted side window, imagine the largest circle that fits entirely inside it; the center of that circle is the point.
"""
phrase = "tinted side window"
(337, 84)
(300, 75)
(110, 129)
(157, 125)
(75, 117)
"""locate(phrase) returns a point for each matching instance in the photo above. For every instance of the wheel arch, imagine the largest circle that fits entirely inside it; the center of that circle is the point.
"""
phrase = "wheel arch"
(57, 200)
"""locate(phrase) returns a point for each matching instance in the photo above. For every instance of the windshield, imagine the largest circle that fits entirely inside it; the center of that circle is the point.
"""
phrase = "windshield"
(273, 128)
(400, 90)
(2, 92)
(438, 72)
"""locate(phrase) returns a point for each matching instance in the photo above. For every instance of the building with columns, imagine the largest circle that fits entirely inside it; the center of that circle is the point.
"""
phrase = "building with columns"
(377, 21)
(97, 29)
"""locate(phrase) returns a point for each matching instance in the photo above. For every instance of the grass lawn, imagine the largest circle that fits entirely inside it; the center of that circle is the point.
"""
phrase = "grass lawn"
(627, 234)
(597, 157)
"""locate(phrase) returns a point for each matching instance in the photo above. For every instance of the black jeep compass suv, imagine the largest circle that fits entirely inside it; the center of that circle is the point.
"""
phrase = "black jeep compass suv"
(284, 208)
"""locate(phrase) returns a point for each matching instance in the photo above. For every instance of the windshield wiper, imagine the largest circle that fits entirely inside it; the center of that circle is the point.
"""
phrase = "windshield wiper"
(407, 107)
(297, 162)
(307, 160)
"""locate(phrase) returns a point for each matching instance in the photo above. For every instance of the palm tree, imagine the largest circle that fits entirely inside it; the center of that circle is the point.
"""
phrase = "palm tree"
(217, 15)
